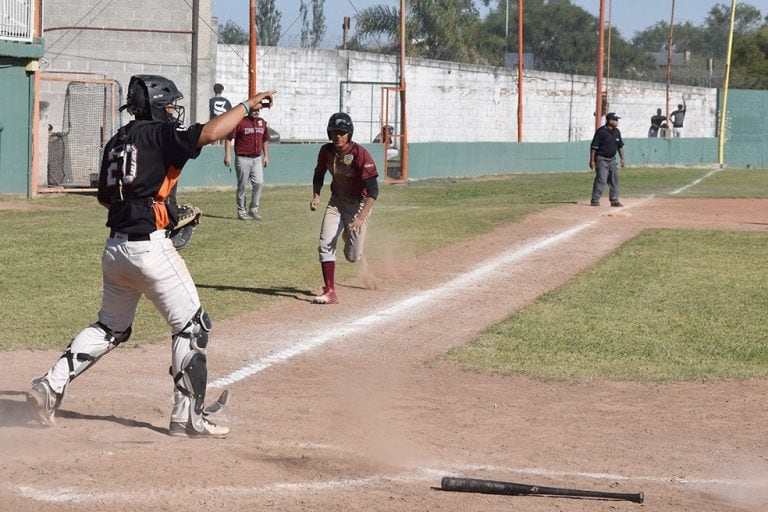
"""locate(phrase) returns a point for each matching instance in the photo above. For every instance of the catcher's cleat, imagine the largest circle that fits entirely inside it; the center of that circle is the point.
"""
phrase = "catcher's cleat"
(44, 401)
(180, 429)
(328, 297)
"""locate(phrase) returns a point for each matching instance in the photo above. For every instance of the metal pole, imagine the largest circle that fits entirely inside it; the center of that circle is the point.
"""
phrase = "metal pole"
(600, 57)
(403, 124)
(506, 28)
(345, 30)
(519, 70)
(669, 63)
(724, 110)
(194, 61)
(608, 53)
(252, 50)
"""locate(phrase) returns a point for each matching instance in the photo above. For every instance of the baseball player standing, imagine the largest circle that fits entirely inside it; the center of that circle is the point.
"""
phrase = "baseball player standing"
(354, 190)
(602, 159)
(251, 136)
(140, 169)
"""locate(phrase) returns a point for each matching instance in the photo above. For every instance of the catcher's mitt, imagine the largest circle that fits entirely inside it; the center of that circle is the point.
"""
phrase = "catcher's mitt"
(189, 217)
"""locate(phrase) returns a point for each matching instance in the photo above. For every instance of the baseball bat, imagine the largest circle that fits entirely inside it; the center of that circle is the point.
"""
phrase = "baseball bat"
(514, 489)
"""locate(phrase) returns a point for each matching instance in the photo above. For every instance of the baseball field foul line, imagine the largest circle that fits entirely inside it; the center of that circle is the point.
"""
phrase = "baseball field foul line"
(419, 474)
(694, 183)
(407, 305)
(402, 307)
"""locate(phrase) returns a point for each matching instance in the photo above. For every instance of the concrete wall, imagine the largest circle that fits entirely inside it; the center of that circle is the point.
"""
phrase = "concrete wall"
(127, 38)
(446, 101)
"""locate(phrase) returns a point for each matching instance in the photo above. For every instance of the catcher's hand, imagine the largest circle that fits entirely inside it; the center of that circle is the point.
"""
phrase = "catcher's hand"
(189, 217)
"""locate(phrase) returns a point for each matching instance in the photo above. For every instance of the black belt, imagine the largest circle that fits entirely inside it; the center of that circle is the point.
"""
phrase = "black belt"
(132, 237)
(249, 156)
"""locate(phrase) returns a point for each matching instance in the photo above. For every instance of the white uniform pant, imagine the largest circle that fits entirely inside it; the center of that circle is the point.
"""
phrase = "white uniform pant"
(338, 215)
(151, 268)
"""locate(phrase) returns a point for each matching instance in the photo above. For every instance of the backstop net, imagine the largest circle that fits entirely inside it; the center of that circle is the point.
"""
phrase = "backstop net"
(90, 118)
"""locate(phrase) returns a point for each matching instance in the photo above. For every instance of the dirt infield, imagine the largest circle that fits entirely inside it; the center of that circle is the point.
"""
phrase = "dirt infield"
(341, 408)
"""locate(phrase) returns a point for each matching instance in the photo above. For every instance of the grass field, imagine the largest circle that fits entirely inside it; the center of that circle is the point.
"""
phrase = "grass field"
(51, 279)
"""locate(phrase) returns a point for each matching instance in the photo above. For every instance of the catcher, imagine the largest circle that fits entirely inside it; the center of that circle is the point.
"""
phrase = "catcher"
(140, 168)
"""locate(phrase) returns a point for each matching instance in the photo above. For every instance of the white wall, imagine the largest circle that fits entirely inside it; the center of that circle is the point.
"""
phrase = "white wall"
(446, 101)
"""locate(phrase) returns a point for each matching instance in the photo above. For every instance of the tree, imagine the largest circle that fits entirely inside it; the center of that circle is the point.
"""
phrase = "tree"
(750, 61)
(707, 45)
(685, 37)
(563, 38)
(304, 14)
(437, 29)
(747, 20)
(268, 23)
(232, 33)
(312, 34)
(318, 22)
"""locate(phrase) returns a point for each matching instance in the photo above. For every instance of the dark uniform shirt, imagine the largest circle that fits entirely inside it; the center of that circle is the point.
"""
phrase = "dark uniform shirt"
(140, 169)
(607, 142)
(218, 105)
(349, 171)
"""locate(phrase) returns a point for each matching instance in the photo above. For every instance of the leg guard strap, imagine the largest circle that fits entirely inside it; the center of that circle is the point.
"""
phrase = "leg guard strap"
(87, 359)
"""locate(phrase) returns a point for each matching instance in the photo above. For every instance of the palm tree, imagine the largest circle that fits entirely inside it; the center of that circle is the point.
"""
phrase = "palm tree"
(436, 29)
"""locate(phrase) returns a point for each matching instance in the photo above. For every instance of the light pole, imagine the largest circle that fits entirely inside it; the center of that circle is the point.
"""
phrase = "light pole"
(252, 50)
(669, 61)
(600, 57)
(724, 111)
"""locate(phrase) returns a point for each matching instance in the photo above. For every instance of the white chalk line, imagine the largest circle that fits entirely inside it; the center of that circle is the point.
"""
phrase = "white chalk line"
(402, 307)
(422, 474)
(68, 494)
(695, 182)
(407, 305)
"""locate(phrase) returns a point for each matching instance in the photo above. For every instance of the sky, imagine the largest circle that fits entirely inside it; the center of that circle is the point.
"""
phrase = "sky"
(629, 16)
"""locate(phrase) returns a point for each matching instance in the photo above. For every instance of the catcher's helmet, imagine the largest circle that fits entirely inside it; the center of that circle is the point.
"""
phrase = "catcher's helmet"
(148, 97)
(341, 122)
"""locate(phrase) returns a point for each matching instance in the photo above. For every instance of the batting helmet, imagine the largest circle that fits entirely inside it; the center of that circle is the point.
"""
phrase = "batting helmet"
(148, 97)
(341, 122)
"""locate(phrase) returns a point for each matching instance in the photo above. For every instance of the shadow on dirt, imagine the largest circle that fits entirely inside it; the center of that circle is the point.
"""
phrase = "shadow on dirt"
(286, 291)
(15, 412)
(113, 419)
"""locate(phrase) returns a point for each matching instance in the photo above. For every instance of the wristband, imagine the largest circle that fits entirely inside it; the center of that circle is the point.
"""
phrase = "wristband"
(247, 108)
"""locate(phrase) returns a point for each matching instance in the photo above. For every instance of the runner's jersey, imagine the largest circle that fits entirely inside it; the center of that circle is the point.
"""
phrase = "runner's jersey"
(349, 170)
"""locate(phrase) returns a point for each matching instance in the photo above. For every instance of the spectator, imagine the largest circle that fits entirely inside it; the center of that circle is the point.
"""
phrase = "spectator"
(656, 122)
(678, 118)
(218, 104)
(386, 137)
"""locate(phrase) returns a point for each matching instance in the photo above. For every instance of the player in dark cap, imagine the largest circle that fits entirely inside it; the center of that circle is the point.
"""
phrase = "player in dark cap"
(602, 159)
(140, 169)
